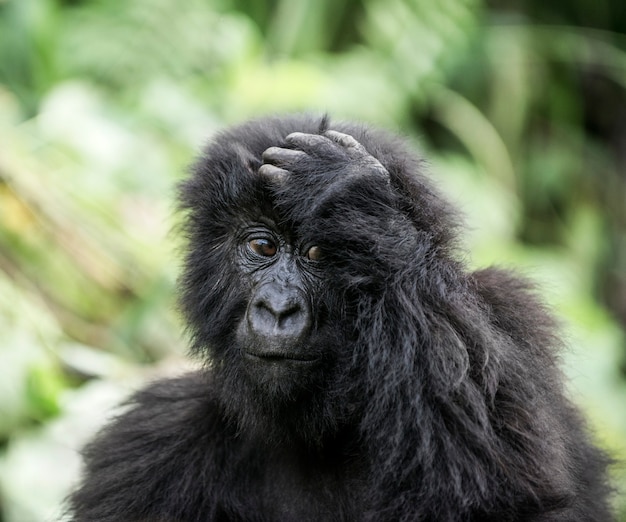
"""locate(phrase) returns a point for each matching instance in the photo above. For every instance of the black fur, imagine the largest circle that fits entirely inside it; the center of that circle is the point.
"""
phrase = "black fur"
(435, 396)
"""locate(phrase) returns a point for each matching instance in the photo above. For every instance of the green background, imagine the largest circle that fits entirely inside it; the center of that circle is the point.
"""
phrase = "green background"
(519, 105)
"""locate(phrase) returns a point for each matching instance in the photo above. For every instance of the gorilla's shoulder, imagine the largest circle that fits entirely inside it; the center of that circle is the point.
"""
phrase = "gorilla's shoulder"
(154, 417)
(188, 389)
(165, 436)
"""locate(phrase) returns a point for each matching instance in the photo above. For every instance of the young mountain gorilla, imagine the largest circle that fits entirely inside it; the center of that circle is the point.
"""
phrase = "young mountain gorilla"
(355, 369)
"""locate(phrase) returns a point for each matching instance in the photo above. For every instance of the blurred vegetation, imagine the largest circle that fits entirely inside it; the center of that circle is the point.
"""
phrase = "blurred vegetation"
(521, 105)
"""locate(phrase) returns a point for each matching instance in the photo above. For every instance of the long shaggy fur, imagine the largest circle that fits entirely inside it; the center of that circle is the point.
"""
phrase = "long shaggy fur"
(438, 397)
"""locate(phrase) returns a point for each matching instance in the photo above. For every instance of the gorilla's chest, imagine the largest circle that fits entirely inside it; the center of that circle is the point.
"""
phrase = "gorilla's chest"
(289, 487)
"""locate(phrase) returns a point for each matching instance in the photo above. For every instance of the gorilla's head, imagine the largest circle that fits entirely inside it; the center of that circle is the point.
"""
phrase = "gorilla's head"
(300, 230)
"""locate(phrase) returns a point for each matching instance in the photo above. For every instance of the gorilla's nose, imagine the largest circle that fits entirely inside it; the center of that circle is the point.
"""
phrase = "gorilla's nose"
(277, 311)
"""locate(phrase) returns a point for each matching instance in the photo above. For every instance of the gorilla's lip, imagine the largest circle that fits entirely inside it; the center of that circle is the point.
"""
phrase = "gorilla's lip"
(281, 357)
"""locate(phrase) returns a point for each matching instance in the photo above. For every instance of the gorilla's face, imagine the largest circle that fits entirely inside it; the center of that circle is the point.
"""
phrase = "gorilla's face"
(283, 334)
(283, 373)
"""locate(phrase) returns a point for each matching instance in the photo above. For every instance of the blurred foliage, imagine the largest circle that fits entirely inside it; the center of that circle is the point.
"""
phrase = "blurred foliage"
(521, 105)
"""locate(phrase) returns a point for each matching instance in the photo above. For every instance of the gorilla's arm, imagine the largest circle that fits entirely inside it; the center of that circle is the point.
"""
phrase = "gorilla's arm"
(475, 363)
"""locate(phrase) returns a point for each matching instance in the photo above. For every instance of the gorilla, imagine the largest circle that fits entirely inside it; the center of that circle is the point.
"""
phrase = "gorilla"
(353, 368)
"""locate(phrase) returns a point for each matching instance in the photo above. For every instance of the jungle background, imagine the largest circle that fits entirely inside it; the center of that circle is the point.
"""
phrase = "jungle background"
(519, 104)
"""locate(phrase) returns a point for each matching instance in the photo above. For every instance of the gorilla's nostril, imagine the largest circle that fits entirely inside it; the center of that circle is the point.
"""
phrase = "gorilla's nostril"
(277, 311)
(281, 309)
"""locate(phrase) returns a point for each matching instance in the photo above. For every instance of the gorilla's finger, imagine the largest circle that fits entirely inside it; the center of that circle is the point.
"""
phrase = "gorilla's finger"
(272, 173)
(357, 152)
(282, 157)
(346, 141)
(311, 143)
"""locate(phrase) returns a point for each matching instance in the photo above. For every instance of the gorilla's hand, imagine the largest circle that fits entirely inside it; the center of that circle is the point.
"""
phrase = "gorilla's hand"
(338, 151)
(333, 173)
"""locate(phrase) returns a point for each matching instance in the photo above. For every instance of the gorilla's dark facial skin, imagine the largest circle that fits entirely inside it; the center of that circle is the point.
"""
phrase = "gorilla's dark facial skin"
(277, 335)
(279, 316)
(355, 368)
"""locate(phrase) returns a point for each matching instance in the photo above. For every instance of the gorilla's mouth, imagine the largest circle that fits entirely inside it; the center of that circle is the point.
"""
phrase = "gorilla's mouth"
(280, 357)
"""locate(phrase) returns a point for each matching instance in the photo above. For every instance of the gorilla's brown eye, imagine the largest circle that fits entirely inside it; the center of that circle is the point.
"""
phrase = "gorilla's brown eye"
(314, 253)
(262, 247)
